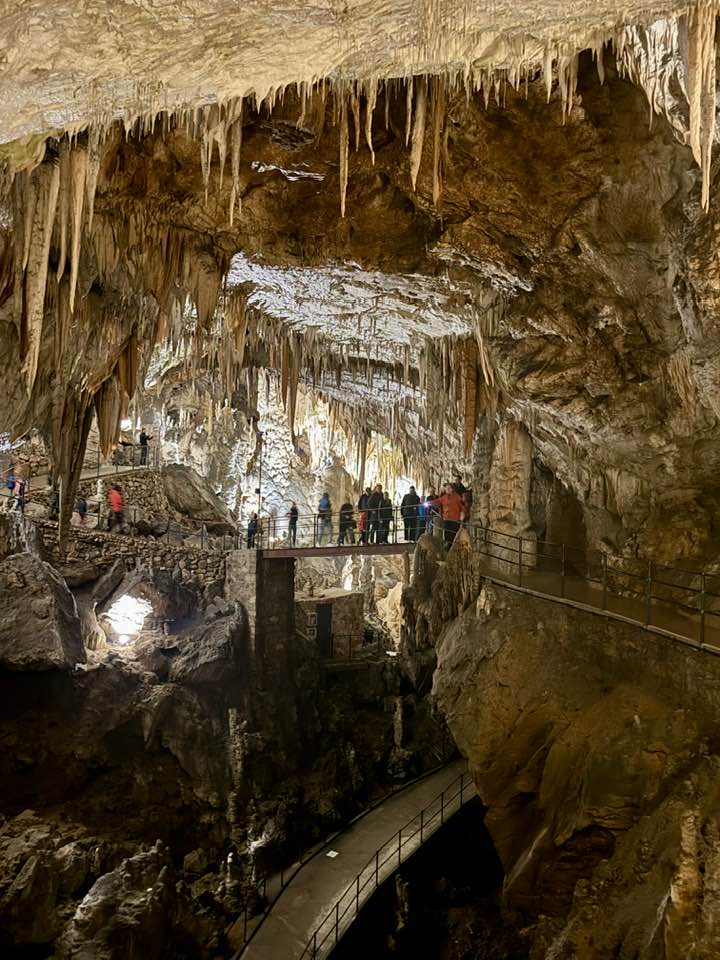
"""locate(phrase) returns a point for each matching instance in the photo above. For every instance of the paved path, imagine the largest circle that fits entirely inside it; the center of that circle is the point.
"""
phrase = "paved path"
(318, 886)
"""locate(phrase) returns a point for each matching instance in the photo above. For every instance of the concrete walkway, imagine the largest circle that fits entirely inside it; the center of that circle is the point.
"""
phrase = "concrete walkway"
(327, 893)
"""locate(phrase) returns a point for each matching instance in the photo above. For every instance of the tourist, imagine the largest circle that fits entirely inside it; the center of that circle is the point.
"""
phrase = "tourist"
(53, 504)
(458, 486)
(252, 530)
(17, 501)
(292, 518)
(362, 515)
(386, 515)
(144, 441)
(467, 505)
(324, 519)
(430, 512)
(82, 510)
(347, 524)
(116, 518)
(450, 505)
(10, 482)
(409, 512)
(373, 513)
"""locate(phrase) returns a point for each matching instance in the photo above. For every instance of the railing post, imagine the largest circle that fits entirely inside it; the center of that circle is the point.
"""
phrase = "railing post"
(337, 920)
(562, 573)
(604, 581)
(462, 777)
(442, 808)
(357, 895)
(648, 594)
(377, 866)
(422, 818)
(399, 846)
(702, 608)
(520, 561)
(314, 944)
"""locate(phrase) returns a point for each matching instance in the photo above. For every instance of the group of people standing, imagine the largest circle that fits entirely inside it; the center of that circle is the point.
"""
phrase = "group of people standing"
(370, 520)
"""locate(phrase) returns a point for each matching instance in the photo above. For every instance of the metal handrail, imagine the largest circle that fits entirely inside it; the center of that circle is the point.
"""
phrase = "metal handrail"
(355, 892)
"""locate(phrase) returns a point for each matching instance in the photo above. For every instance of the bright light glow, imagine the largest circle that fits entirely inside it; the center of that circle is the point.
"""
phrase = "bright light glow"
(127, 616)
(126, 424)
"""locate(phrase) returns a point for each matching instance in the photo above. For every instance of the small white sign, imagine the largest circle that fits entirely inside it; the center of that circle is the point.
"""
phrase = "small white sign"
(332, 854)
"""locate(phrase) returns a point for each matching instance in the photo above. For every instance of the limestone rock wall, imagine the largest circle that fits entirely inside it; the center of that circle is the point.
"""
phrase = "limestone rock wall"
(592, 745)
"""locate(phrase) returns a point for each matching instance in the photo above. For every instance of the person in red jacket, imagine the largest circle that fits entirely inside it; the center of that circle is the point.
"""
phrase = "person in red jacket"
(451, 505)
(115, 502)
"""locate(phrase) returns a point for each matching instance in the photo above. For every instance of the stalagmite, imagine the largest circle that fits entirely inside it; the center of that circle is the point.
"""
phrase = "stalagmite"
(418, 132)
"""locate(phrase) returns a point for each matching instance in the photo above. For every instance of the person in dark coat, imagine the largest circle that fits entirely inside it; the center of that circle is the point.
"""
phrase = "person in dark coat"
(374, 503)
(347, 524)
(409, 512)
(292, 516)
(252, 530)
(386, 515)
(363, 515)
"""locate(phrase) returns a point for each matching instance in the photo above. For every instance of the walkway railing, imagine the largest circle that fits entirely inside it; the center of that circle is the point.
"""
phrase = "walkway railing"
(384, 862)
(272, 885)
(679, 602)
(313, 530)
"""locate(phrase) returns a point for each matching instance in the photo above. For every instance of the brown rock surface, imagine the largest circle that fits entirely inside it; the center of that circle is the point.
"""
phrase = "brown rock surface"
(592, 744)
(39, 625)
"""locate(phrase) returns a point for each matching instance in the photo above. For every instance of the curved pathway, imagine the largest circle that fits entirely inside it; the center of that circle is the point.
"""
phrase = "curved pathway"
(370, 849)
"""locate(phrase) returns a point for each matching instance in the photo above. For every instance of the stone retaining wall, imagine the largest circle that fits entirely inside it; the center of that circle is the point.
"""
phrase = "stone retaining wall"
(186, 563)
(143, 491)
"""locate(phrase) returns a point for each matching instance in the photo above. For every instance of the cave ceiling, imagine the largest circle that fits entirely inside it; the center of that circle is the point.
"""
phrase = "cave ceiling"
(432, 211)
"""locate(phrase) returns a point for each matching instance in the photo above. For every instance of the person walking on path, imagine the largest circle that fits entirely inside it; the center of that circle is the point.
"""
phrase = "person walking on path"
(252, 530)
(373, 514)
(144, 441)
(116, 517)
(450, 504)
(82, 510)
(324, 519)
(347, 524)
(292, 518)
(409, 512)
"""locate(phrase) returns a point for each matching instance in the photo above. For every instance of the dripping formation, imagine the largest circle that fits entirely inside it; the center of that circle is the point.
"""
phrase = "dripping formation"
(70, 256)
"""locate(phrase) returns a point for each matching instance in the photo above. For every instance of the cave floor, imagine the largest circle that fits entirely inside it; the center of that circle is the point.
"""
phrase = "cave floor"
(318, 885)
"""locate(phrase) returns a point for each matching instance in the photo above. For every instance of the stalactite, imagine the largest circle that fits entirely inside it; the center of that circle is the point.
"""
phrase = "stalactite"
(344, 148)
(438, 121)
(418, 132)
(78, 171)
(701, 89)
(47, 177)
(236, 132)
(370, 102)
(409, 84)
